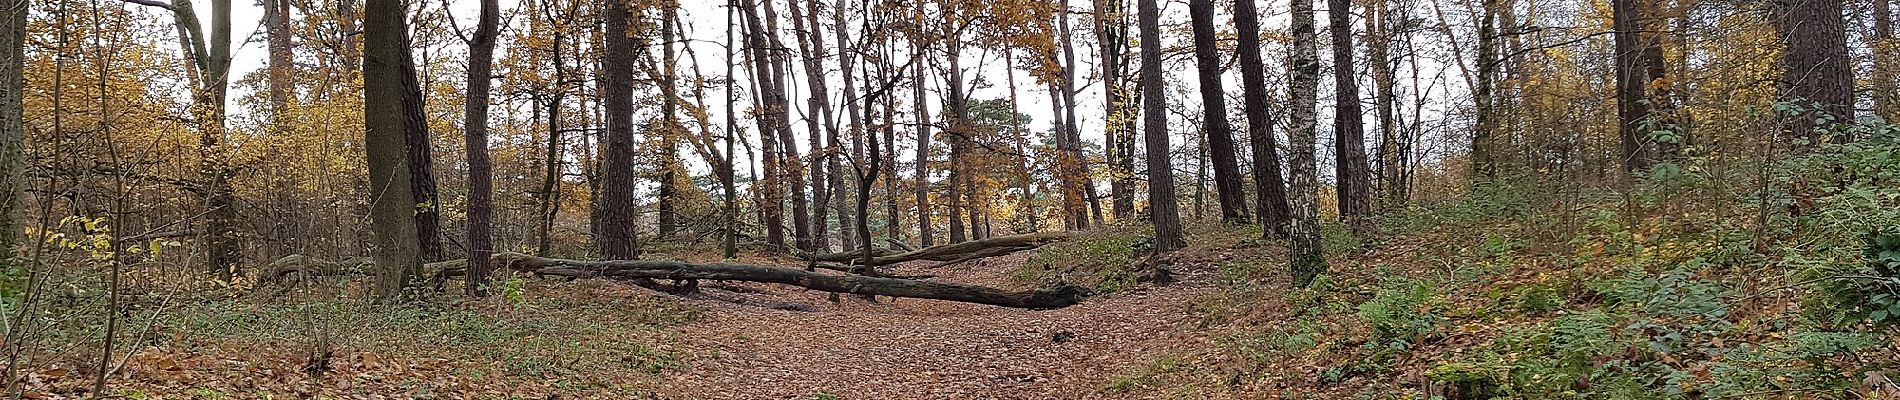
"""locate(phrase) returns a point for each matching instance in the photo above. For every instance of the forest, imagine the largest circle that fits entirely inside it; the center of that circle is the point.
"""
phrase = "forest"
(949, 199)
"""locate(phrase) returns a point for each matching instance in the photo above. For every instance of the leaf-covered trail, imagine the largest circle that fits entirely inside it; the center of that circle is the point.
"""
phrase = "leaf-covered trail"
(927, 349)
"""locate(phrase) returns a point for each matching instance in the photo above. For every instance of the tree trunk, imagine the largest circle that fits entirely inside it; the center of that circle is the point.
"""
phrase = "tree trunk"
(1484, 163)
(1162, 208)
(811, 49)
(617, 207)
(1269, 184)
(848, 223)
(428, 212)
(1220, 137)
(1817, 75)
(393, 206)
(1349, 137)
(729, 239)
(1307, 261)
(1886, 63)
(791, 166)
(1391, 186)
(1111, 34)
(12, 124)
(665, 210)
(481, 57)
(772, 115)
(920, 58)
(1078, 186)
(1632, 107)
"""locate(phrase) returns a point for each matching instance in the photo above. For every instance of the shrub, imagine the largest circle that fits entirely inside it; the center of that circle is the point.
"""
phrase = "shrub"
(1401, 312)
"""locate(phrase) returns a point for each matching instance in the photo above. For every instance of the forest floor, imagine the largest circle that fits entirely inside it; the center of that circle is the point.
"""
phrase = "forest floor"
(917, 349)
(549, 339)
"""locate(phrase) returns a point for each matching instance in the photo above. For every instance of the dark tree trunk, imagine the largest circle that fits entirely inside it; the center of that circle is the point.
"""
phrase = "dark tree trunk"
(1162, 208)
(481, 56)
(1817, 74)
(666, 209)
(1269, 184)
(1349, 136)
(772, 115)
(1632, 107)
(921, 58)
(428, 212)
(1220, 137)
(393, 207)
(616, 206)
(1484, 164)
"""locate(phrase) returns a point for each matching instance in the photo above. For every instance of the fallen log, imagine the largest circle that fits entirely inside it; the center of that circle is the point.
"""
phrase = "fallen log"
(966, 251)
(1058, 297)
(297, 267)
(847, 256)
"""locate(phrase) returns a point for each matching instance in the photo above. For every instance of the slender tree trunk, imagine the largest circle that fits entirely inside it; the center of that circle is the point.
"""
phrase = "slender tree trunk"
(847, 222)
(1886, 63)
(921, 59)
(1307, 261)
(393, 206)
(665, 211)
(1269, 185)
(1162, 208)
(1078, 186)
(811, 49)
(1349, 137)
(617, 207)
(730, 237)
(772, 116)
(1020, 139)
(1110, 32)
(481, 57)
(791, 165)
(1483, 140)
(1384, 86)
(1220, 137)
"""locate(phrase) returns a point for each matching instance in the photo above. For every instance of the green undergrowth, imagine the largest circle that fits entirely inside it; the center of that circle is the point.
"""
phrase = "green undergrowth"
(1700, 282)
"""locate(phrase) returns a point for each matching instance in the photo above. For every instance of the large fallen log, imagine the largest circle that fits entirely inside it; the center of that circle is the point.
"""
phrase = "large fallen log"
(854, 284)
(959, 252)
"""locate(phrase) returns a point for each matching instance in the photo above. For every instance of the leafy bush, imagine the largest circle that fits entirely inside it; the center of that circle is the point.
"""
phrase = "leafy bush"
(1401, 312)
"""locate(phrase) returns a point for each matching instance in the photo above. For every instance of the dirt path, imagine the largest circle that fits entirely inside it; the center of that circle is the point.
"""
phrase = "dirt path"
(927, 349)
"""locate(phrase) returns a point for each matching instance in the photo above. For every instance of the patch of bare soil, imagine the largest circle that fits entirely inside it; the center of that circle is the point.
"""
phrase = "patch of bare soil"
(754, 348)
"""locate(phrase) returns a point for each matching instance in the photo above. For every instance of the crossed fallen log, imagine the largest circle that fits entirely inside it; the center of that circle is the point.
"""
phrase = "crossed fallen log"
(644, 271)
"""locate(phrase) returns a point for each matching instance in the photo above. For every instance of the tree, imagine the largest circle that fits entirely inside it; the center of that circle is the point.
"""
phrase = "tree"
(1307, 260)
(1632, 106)
(1269, 186)
(392, 206)
(1220, 139)
(1817, 75)
(12, 127)
(1111, 35)
(1349, 137)
(481, 56)
(767, 72)
(920, 44)
(1162, 208)
(1484, 164)
(1076, 182)
(421, 148)
(617, 207)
